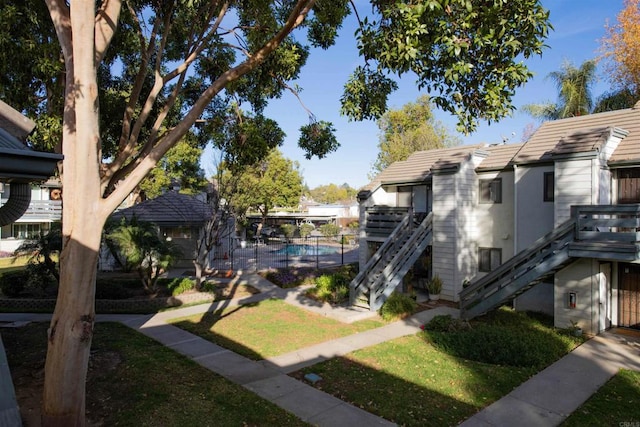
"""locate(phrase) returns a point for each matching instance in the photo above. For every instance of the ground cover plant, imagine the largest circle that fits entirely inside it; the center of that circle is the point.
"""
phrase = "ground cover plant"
(615, 404)
(268, 328)
(430, 383)
(503, 337)
(290, 277)
(135, 381)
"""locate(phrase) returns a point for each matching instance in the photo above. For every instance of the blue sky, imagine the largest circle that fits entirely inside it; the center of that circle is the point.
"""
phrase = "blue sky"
(578, 24)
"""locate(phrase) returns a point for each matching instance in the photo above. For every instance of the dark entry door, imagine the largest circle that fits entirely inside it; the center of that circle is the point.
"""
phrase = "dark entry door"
(629, 296)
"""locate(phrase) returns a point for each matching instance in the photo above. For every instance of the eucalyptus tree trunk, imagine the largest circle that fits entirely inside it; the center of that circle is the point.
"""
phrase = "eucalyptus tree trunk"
(84, 214)
(93, 189)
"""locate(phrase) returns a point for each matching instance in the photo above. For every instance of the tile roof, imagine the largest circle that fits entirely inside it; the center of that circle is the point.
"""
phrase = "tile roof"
(499, 157)
(559, 137)
(169, 209)
(579, 132)
(582, 141)
(418, 167)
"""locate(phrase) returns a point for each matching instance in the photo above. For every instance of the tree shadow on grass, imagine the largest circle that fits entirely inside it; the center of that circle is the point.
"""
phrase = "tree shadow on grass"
(408, 392)
(204, 329)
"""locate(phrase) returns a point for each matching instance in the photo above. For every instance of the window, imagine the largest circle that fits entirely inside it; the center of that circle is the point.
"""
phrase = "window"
(549, 187)
(489, 259)
(491, 190)
(26, 231)
(404, 197)
(177, 232)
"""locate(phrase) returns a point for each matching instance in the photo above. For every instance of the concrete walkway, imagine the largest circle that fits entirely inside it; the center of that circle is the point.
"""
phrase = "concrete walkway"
(545, 400)
(554, 393)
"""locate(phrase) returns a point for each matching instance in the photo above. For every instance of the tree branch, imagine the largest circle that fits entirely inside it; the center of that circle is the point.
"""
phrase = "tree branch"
(106, 24)
(128, 183)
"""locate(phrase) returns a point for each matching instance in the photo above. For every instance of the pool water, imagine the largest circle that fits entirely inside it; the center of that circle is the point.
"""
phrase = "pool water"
(301, 250)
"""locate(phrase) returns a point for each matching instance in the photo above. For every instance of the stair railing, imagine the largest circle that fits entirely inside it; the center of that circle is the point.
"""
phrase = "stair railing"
(360, 280)
(519, 264)
(401, 262)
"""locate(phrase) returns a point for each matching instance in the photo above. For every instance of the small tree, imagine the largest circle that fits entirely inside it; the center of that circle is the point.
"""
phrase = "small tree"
(144, 250)
(407, 130)
(274, 181)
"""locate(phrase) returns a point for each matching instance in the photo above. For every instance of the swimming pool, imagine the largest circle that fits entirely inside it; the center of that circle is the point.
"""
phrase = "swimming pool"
(301, 250)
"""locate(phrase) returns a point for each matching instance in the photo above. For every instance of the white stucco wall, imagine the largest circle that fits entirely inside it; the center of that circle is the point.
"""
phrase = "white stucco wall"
(533, 216)
(382, 197)
(495, 221)
(580, 277)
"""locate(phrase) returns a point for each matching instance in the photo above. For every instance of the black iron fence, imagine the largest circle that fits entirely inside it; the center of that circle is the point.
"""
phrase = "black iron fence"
(280, 252)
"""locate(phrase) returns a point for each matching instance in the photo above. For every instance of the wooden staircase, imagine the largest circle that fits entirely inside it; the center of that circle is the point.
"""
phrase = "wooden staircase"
(608, 232)
(391, 262)
(546, 256)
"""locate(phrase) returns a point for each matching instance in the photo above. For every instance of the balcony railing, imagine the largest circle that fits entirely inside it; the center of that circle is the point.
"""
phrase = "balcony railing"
(606, 232)
(607, 223)
(43, 211)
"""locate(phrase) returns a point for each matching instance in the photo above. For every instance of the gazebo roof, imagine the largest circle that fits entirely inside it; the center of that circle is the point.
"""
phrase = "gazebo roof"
(169, 209)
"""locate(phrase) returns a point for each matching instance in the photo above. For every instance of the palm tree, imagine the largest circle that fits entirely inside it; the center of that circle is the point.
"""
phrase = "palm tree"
(144, 250)
(43, 248)
(574, 97)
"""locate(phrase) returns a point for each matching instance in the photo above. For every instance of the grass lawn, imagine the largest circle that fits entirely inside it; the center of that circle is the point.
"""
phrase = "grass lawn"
(135, 381)
(268, 328)
(615, 404)
(411, 383)
(422, 380)
(13, 263)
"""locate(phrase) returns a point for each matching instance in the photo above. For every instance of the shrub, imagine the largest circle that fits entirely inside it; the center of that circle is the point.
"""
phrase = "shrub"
(329, 230)
(344, 238)
(288, 230)
(505, 337)
(332, 288)
(435, 285)
(306, 229)
(446, 323)
(106, 289)
(40, 281)
(180, 286)
(209, 287)
(12, 283)
(398, 306)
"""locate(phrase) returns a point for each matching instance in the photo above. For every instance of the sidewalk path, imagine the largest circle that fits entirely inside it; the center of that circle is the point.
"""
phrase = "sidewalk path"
(545, 400)
(268, 378)
(550, 396)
